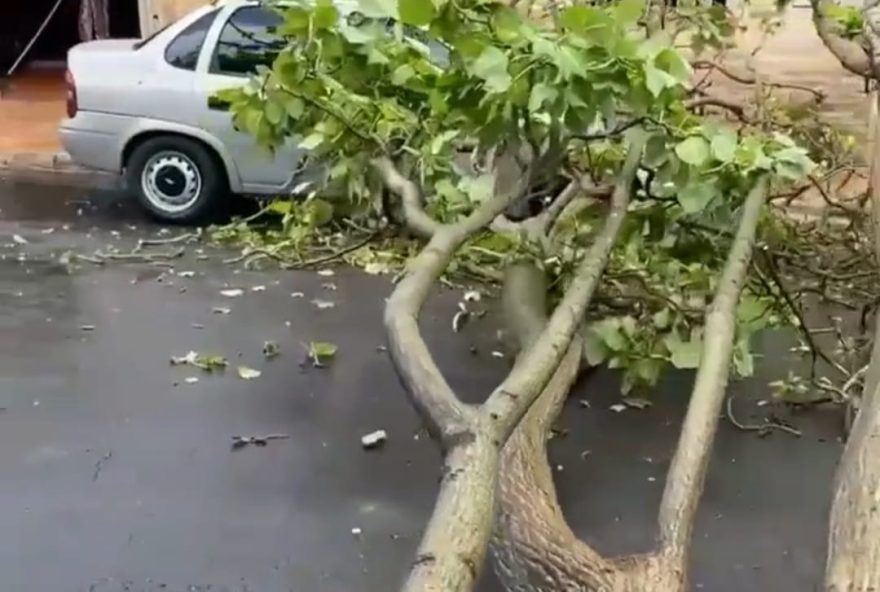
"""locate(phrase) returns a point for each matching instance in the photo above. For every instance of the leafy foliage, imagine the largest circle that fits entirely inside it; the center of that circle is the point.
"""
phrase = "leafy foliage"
(450, 89)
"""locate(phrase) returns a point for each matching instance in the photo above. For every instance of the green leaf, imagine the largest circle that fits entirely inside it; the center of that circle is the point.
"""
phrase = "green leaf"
(417, 12)
(507, 23)
(321, 351)
(294, 106)
(479, 189)
(743, 359)
(629, 11)
(671, 61)
(274, 111)
(401, 74)
(683, 354)
(594, 348)
(584, 19)
(282, 207)
(662, 319)
(320, 212)
(724, 145)
(325, 14)
(541, 93)
(378, 8)
(656, 79)
(312, 141)
(608, 330)
(491, 66)
(695, 196)
(693, 151)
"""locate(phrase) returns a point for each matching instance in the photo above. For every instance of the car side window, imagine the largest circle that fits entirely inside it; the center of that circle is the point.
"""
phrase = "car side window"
(183, 52)
(247, 40)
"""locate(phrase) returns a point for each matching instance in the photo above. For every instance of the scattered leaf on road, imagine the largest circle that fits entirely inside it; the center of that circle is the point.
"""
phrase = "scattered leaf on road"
(258, 289)
(637, 402)
(86, 327)
(186, 274)
(472, 296)
(221, 310)
(321, 351)
(497, 354)
(374, 439)
(271, 349)
(232, 292)
(19, 240)
(323, 304)
(329, 286)
(618, 408)
(208, 363)
(190, 380)
(326, 273)
(297, 295)
(248, 373)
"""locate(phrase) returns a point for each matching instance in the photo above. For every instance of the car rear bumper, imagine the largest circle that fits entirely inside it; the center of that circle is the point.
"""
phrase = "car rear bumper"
(94, 140)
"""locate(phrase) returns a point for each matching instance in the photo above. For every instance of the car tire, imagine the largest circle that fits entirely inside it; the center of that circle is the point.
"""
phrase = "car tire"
(177, 180)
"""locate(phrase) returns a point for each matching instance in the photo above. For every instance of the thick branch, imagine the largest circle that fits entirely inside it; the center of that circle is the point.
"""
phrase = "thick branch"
(414, 213)
(853, 563)
(850, 54)
(684, 482)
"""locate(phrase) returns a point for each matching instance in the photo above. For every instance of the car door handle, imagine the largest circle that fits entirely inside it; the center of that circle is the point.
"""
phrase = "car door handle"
(217, 104)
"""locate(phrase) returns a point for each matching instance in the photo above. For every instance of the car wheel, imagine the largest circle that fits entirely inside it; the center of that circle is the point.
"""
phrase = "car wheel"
(177, 179)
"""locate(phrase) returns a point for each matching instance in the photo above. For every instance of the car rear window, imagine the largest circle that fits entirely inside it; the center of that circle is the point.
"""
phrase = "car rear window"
(248, 40)
(183, 52)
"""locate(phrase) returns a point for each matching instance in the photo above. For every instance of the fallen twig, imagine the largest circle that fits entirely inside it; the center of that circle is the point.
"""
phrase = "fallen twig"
(764, 427)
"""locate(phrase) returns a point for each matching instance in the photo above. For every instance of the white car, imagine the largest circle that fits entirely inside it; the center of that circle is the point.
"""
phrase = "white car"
(144, 108)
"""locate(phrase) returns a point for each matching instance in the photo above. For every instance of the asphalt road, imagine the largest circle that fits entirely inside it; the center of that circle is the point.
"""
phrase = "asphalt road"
(116, 474)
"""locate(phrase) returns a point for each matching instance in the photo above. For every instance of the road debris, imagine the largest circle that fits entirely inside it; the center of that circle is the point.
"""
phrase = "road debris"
(100, 464)
(19, 240)
(323, 304)
(87, 327)
(247, 373)
(242, 441)
(618, 408)
(208, 363)
(374, 439)
(258, 288)
(326, 272)
(232, 292)
(271, 349)
(321, 351)
(190, 380)
(221, 310)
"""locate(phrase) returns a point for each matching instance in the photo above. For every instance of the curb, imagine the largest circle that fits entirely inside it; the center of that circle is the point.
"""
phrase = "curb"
(50, 166)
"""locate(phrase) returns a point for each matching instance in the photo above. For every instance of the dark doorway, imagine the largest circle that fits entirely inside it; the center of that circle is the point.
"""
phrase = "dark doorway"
(19, 22)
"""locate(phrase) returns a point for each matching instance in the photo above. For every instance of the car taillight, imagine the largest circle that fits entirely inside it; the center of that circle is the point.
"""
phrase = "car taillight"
(70, 86)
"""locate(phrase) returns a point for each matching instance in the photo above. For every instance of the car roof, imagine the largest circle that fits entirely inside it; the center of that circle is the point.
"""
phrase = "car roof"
(345, 6)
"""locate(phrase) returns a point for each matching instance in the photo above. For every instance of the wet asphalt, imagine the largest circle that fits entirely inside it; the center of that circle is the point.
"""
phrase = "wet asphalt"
(116, 474)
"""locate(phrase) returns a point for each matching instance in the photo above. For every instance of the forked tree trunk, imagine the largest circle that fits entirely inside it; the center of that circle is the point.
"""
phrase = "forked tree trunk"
(533, 546)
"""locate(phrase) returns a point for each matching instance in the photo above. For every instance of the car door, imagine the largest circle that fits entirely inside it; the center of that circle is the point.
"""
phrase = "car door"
(240, 40)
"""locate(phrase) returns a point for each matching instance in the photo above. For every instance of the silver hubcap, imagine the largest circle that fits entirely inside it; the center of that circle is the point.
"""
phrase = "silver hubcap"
(171, 181)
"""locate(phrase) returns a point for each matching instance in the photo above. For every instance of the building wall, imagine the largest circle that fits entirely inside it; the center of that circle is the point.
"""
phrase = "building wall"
(155, 14)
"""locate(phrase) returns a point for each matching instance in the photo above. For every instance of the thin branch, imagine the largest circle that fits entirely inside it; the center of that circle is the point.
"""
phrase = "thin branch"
(684, 481)
(338, 254)
(734, 107)
(758, 427)
(506, 405)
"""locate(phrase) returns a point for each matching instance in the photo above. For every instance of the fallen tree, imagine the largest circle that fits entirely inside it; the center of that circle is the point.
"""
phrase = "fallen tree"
(571, 156)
